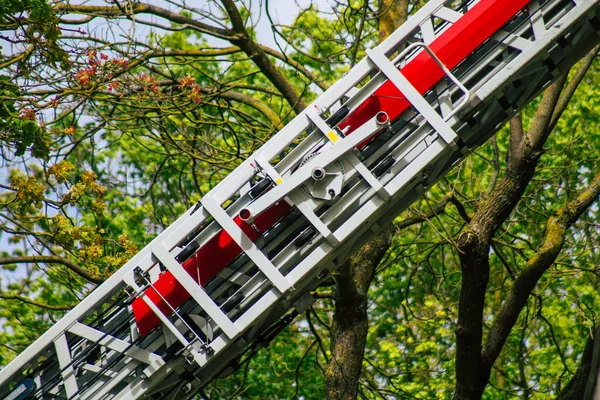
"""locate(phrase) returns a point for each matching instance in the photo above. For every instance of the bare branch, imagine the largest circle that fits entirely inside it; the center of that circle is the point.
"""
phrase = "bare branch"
(52, 260)
(259, 57)
(556, 230)
(36, 303)
(296, 65)
(142, 8)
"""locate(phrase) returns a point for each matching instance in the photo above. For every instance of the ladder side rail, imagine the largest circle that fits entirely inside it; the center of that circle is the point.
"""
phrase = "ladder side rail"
(244, 183)
(115, 283)
(537, 46)
(267, 302)
(239, 184)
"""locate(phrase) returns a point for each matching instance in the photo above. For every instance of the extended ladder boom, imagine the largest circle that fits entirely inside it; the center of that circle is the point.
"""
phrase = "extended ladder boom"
(230, 273)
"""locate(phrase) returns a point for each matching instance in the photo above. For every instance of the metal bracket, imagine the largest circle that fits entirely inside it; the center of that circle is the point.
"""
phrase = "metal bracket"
(249, 247)
(389, 69)
(195, 290)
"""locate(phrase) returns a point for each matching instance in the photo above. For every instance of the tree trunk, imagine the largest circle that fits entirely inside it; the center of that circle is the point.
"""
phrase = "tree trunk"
(350, 319)
(584, 384)
(575, 389)
(474, 357)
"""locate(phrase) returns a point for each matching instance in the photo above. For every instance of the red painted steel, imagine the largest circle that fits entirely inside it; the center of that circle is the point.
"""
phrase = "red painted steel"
(217, 253)
(451, 47)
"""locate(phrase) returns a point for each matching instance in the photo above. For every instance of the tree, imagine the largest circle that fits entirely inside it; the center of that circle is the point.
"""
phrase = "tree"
(116, 118)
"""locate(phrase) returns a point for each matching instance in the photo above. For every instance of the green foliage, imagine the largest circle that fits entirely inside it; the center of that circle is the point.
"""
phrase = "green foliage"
(20, 131)
(41, 31)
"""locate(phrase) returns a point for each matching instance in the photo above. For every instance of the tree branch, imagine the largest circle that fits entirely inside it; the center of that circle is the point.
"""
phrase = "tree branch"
(36, 303)
(569, 91)
(472, 372)
(52, 260)
(437, 210)
(516, 139)
(556, 230)
(256, 104)
(259, 57)
(539, 131)
(142, 8)
(294, 64)
(576, 388)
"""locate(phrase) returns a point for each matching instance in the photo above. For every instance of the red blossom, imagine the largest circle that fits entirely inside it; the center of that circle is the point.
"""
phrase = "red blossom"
(195, 94)
(121, 62)
(186, 81)
(27, 114)
(149, 82)
(54, 102)
(85, 75)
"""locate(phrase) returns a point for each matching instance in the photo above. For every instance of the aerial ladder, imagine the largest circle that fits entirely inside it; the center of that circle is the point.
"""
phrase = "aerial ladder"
(227, 276)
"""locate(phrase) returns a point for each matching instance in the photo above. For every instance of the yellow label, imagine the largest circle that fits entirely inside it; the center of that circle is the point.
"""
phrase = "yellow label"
(332, 136)
(279, 181)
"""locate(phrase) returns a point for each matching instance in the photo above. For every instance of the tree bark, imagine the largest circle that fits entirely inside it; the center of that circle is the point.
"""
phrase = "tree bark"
(472, 371)
(350, 319)
(583, 384)
(474, 360)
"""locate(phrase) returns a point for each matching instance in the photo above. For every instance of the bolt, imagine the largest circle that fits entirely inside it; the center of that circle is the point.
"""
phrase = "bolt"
(318, 173)
(245, 214)
(382, 118)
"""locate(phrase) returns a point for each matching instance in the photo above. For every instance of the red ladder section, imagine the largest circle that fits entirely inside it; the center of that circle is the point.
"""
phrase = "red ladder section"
(451, 47)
